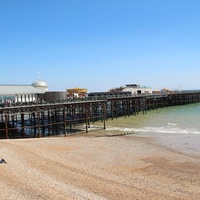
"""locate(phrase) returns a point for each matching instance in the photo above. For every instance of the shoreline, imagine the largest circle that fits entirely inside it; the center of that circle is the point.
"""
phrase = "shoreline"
(97, 166)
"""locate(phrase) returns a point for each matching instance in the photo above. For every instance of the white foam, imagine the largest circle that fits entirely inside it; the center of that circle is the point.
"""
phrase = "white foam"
(173, 130)
(172, 124)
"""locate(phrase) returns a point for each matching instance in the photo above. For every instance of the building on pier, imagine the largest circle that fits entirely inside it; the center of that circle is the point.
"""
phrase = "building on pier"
(55, 96)
(109, 94)
(137, 89)
(76, 92)
(129, 89)
(13, 93)
(123, 91)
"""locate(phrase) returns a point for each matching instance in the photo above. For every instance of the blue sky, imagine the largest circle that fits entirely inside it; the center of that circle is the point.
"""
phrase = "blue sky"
(100, 44)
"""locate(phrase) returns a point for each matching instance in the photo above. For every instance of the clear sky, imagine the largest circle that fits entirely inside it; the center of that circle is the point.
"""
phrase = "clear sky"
(100, 44)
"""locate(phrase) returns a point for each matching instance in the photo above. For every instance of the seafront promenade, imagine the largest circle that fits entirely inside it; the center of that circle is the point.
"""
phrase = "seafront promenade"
(39, 120)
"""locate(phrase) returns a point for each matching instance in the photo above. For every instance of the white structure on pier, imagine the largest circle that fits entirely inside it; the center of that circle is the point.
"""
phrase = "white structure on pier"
(137, 89)
(22, 93)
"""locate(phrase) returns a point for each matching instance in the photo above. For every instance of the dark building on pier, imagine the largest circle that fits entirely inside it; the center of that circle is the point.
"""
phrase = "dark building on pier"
(55, 96)
(109, 94)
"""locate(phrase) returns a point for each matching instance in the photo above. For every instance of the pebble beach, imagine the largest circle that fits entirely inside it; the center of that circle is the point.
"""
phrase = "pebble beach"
(94, 166)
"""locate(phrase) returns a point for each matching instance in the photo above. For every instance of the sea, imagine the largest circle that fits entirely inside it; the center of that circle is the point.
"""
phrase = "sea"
(177, 120)
(177, 127)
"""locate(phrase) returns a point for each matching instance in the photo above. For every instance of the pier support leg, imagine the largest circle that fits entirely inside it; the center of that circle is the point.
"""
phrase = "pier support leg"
(22, 123)
(6, 125)
(38, 115)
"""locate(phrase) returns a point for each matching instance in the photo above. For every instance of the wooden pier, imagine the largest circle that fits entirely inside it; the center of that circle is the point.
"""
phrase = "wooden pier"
(63, 118)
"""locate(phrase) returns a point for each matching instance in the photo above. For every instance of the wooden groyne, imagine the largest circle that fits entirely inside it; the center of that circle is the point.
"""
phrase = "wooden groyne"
(66, 117)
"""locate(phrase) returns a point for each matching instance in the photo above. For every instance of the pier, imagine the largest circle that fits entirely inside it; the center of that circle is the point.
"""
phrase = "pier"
(40, 120)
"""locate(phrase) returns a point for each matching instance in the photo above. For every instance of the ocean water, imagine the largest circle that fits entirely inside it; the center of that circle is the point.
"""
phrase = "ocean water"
(172, 120)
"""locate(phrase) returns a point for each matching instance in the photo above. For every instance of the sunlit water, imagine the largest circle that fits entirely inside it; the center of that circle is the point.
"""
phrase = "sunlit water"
(172, 120)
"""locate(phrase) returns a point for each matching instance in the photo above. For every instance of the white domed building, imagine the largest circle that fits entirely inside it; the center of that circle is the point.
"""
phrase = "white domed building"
(13, 93)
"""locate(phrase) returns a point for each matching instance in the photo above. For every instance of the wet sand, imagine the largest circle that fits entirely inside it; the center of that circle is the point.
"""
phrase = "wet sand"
(91, 167)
